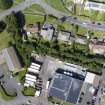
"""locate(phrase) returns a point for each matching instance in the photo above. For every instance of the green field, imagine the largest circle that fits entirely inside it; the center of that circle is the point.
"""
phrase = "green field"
(5, 38)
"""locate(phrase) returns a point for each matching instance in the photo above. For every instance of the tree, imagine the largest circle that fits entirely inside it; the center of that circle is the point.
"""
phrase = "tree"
(2, 26)
(5, 4)
(12, 24)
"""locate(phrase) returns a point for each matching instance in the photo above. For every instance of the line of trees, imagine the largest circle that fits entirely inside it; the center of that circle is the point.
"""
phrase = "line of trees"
(73, 54)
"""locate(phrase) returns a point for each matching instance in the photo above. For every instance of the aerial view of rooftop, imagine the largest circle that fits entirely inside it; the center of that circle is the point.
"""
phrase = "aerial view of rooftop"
(52, 52)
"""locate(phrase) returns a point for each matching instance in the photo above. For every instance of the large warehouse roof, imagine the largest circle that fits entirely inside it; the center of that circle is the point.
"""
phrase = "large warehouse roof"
(65, 87)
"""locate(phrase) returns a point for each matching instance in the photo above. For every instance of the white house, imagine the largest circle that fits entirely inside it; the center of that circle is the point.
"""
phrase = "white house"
(94, 6)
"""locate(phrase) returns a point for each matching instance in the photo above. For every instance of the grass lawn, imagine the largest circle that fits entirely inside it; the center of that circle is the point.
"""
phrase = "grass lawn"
(101, 16)
(4, 96)
(29, 91)
(82, 30)
(68, 2)
(30, 19)
(5, 38)
(16, 2)
(20, 75)
(66, 103)
(52, 20)
(57, 4)
(56, 100)
(78, 9)
(34, 8)
(99, 34)
(67, 26)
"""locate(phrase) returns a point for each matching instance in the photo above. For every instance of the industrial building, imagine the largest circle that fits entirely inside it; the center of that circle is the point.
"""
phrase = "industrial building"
(67, 86)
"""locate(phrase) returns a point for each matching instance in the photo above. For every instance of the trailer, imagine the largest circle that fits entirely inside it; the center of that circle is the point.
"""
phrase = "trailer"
(31, 76)
(33, 70)
(34, 64)
(30, 79)
(34, 67)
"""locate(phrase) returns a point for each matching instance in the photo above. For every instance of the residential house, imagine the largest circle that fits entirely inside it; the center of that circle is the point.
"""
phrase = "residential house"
(47, 31)
(32, 28)
(81, 39)
(64, 36)
(90, 5)
(97, 47)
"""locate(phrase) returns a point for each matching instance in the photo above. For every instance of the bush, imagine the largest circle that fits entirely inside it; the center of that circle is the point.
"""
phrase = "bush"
(29, 91)
(5, 4)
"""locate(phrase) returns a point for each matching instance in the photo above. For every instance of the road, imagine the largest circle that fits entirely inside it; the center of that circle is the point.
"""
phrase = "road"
(49, 10)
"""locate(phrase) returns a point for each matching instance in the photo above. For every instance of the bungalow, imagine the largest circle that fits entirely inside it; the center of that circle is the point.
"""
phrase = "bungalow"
(47, 31)
(64, 36)
(11, 59)
(32, 28)
(81, 39)
(97, 47)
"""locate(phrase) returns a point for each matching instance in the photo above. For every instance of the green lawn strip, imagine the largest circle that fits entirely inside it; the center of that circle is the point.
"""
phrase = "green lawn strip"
(82, 30)
(29, 91)
(67, 26)
(93, 14)
(52, 20)
(16, 2)
(31, 19)
(101, 16)
(78, 9)
(58, 101)
(5, 38)
(68, 3)
(54, 100)
(34, 7)
(57, 4)
(4, 95)
(98, 34)
(67, 103)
